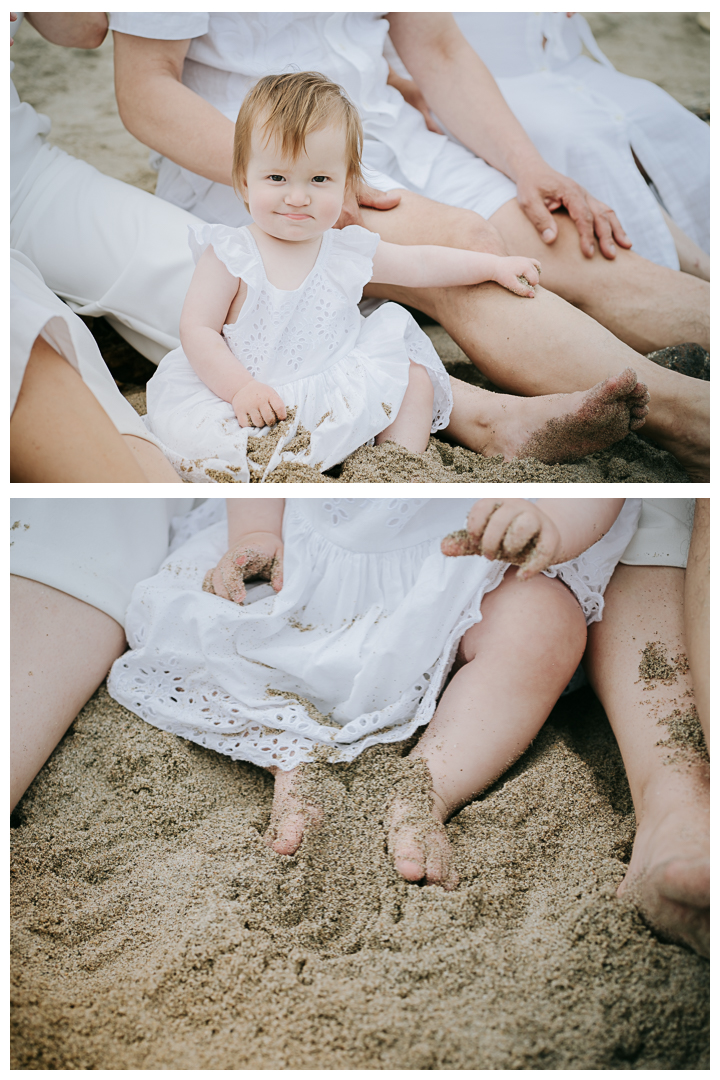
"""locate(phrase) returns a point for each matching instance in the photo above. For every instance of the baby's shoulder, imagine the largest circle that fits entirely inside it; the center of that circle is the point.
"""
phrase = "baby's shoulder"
(233, 246)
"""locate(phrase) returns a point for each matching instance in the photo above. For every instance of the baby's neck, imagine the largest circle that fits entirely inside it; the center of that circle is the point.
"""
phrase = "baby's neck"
(287, 262)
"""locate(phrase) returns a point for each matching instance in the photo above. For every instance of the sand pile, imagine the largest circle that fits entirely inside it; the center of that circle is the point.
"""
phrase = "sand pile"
(154, 929)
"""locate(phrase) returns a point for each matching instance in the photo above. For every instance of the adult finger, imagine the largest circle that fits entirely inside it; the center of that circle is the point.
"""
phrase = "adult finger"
(535, 210)
(577, 207)
(608, 230)
(378, 200)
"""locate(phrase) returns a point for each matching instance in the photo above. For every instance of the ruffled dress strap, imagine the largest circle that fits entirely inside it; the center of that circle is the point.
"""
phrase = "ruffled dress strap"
(235, 248)
(349, 260)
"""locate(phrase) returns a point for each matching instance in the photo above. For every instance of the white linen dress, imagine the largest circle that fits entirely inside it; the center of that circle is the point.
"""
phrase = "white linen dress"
(586, 119)
(355, 648)
(345, 376)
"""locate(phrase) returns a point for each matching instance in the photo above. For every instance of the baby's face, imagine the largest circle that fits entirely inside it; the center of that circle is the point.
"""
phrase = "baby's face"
(297, 200)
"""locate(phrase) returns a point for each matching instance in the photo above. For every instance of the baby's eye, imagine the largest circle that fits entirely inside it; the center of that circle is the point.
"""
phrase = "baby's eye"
(276, 176)
(320, 179)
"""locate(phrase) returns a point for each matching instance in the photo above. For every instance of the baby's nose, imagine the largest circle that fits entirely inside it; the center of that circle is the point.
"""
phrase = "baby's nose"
(297, 196)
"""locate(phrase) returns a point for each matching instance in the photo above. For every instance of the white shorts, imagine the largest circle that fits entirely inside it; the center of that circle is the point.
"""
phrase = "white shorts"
(93, 549)
(663, 534)
(35, 312)
(107, 248)
(457, 178)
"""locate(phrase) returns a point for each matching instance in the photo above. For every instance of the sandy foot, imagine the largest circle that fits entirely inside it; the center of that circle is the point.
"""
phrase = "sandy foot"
(668, 878)
(557, 428)
(290, 815)
(418, 843)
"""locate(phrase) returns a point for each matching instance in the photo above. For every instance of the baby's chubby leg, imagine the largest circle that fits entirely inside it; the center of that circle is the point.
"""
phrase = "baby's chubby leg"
(411, 426)
(511, 669)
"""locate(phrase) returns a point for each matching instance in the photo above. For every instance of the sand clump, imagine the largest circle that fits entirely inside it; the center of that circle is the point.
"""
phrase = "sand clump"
(153, 927)
(685, 737)
(655, 665)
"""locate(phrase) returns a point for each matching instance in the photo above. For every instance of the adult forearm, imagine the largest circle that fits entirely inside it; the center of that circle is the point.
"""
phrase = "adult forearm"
(461, 91)
(581, 522)
(253, 515)
(165, 115)
(73, 29)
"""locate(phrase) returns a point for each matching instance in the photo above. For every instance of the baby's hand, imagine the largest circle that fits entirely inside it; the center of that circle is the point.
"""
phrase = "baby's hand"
(257, 555)
(512, 530)
(517, 274)
(257, 405)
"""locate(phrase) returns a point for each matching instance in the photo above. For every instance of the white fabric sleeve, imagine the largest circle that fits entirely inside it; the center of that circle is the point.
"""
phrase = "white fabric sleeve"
(170, 26)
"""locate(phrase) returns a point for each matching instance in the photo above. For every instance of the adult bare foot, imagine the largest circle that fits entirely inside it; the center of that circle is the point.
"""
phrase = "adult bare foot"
(291, 813)
(668, 878)
(556, 428)
(417, 841)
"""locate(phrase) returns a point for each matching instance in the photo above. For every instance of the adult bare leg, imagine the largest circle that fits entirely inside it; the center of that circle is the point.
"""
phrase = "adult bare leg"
(693, 260)
(62, 649)
(533, 347)
(668, 876)
(697, 612)
(645, 305)
(59, 432)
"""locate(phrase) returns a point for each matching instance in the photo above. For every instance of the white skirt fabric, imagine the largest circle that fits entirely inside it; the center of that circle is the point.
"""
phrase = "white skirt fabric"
(93, 549)
(355, 648)
(35, 312)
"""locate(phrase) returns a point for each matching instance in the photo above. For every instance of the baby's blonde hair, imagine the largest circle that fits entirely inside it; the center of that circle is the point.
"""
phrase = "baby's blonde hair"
(289, 107)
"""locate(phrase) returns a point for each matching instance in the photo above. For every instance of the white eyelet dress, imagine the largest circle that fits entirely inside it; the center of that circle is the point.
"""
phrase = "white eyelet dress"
(344, 375)
(354, 649)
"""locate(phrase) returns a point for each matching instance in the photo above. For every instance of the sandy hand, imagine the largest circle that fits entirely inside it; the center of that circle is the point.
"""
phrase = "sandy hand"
(258, 405)
(512, 530)
(518, 274)
(257, 555)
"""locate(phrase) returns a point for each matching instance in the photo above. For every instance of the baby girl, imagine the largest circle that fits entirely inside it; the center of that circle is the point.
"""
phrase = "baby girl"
(270, 329)
(382, 616)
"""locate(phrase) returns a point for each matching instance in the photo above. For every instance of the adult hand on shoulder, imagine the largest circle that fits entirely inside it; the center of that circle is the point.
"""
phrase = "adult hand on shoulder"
(511, 530)
(365, 196)
(256, 556)
(540, 190)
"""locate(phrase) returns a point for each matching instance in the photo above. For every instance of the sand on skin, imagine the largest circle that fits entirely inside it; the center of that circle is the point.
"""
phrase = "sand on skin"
(76, 89)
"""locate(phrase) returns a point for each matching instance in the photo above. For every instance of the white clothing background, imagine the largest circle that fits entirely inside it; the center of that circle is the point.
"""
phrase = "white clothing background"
(586, 119)
(365, 629)
(230, 51)
(93, 549)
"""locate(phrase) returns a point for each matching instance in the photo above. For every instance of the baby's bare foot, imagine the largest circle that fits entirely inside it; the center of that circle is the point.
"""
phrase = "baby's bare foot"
(417, 841)
(290, 815)
(668, 878)
(558, 428)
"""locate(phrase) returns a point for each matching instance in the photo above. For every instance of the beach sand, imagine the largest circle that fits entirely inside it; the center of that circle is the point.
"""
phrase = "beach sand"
(75, 88)
(154, 929)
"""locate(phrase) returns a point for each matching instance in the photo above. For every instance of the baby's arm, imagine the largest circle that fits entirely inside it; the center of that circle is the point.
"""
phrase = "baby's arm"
(208, 300)
(426, 266)
(255, 548)
(533, 536)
